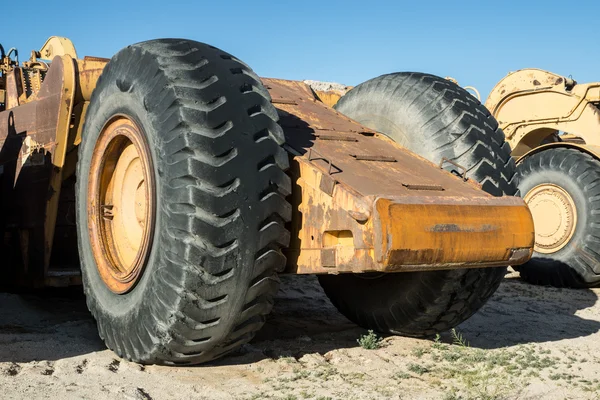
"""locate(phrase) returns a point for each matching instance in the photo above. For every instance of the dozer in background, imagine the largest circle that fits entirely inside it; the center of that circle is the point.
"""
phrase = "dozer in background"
(175, 185)
(553, 126)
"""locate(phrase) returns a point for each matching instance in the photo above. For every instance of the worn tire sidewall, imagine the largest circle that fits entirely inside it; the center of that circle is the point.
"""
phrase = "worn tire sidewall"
(112, 101)
(569, 184)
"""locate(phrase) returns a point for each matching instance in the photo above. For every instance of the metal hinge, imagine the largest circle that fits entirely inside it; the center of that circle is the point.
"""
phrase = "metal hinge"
(462, 174)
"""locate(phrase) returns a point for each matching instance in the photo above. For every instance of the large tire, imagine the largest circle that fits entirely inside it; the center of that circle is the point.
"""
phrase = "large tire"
(434, 118)
(213, 136)
(574, 260)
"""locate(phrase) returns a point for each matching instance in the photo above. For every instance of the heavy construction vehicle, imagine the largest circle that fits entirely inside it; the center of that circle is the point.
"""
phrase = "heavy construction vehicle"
(157, 179)
(552, 124)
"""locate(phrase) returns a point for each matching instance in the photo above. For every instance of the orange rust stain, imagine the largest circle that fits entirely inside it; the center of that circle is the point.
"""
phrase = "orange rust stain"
(414, 234)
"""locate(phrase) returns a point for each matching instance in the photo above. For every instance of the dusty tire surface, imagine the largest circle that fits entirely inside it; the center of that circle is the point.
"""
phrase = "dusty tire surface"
(210, 277)
(577, 264)
(434, 118)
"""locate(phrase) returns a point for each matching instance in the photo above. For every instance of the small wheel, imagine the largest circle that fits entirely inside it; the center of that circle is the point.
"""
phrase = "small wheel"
(180, 203)
(561, 186)
(434, 118)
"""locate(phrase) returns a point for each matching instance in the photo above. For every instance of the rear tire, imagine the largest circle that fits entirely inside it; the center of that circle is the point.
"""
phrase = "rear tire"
(214, 142)
(434, 118)
(572, 258)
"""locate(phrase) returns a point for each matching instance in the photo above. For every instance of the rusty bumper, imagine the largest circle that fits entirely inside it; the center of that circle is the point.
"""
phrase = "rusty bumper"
(337, 230)
(411, 234)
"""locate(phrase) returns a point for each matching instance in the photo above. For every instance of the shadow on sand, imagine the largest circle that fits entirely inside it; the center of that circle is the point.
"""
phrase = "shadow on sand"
(55, 324)
(521, 313)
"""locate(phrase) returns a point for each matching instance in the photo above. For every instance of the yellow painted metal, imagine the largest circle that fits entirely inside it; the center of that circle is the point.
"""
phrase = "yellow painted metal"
(57, 46)
(129, 193)
(90, 69)
(555, 217)
(329, 97)
(58, 160)
(532, 106)
(453, 232)
(79, 84)
(328, 93)
(121, 203)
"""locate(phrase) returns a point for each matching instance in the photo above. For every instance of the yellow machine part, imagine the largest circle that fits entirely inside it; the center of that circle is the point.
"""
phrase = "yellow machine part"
(329, 97)
(533, 106)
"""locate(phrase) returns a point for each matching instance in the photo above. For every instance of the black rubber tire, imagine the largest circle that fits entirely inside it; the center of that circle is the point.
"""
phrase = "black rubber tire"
(434, 118)
(211, 274)
(577, 264)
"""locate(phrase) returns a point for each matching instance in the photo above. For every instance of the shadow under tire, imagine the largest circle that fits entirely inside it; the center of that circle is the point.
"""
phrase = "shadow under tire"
(577, 263)
(220, 208)
(434, 118)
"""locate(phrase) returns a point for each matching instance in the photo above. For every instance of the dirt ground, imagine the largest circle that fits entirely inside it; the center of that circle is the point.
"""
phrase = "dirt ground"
(527, 343)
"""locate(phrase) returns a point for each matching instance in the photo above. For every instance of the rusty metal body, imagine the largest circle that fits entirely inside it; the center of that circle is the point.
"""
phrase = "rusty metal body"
(364, 203)
(361, 202)
(40, 128)
(533, 106)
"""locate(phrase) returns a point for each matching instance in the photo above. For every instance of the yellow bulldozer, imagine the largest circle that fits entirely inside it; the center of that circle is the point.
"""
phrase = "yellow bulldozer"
(175, 185)
(552, 124)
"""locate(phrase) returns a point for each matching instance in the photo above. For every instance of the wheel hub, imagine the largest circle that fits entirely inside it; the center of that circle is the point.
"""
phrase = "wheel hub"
(554, 216)
(121, 204)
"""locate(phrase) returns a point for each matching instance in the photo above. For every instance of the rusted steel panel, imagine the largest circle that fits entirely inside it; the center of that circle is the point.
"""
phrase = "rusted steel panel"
(363, 203)
(88, 71)
(66, 75)
(305, 121)
(33, 137)
(36, 134)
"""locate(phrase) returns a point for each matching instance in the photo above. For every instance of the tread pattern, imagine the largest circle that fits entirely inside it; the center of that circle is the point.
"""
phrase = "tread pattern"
(573, 266)
(434, 118)
(418, 304)
(223, 204)
(440, 119)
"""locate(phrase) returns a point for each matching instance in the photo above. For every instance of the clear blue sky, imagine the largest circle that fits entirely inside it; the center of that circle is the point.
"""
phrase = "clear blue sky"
(476, 42)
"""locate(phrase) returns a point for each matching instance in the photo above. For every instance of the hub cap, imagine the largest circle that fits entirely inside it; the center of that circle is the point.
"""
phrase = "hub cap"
(121, 204)
(554, 217)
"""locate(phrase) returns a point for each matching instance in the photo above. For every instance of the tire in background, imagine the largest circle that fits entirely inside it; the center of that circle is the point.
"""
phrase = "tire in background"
(562, 187)
(434, 118)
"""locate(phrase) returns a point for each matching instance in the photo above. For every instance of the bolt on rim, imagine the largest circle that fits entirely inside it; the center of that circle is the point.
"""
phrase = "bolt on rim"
(121, 203)
(554, 217)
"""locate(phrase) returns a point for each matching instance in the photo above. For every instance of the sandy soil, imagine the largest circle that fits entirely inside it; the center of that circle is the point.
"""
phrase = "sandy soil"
(527, 342)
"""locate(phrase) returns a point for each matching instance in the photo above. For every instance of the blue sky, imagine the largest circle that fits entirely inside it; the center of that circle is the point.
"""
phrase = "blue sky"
(476, 42)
